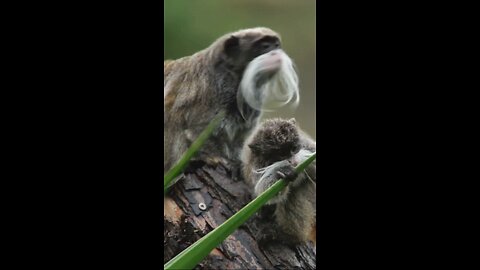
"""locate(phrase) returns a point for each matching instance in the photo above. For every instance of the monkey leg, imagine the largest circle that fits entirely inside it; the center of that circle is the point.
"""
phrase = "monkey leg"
(295, 216)
(269, 230)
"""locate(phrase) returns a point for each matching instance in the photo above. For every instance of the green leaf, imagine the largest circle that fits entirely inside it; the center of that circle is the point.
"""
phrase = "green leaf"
(191, 256)
(178, 168)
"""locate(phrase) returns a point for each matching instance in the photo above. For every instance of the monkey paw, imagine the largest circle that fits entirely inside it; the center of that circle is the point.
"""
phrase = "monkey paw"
(287, 172)
(215, 160)
(271, 174)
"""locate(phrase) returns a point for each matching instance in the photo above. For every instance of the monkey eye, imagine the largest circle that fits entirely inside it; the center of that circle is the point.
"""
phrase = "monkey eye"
(268, 42)
(265, 45)
(270, 45)
(294, 150)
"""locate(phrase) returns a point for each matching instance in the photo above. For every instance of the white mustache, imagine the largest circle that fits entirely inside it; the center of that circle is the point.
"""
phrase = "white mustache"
(278, 91)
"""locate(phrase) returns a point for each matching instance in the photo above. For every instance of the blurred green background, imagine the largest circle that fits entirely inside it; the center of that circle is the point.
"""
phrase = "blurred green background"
(192, 25)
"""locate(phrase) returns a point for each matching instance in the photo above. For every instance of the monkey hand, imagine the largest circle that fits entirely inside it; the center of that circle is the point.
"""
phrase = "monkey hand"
(208, 153)
(287, 172)
(271, 174)
(215, 160)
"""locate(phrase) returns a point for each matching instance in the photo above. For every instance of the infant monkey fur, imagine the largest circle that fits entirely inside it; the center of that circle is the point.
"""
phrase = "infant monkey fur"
(271, 153)
(227, 76)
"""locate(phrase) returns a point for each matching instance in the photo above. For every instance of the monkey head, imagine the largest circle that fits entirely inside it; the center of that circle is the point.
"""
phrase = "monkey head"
(267, 74)
(276, 139)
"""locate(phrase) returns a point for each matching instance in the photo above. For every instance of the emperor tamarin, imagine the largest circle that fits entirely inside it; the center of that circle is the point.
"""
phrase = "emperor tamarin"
(271, 153)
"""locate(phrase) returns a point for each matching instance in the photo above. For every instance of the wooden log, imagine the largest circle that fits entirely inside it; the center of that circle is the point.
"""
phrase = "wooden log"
(223, 195)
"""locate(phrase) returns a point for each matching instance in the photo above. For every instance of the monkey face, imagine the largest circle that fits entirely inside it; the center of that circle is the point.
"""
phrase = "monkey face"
(262, 75)
(242, 49)
(262, 46)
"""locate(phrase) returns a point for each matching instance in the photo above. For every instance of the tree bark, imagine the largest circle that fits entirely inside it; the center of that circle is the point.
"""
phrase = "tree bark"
(185, 222)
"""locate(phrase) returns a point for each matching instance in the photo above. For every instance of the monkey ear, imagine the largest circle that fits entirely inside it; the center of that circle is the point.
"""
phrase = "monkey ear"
(231, 45)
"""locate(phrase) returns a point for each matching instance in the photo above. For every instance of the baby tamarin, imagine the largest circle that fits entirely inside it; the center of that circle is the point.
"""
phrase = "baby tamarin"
(236, 75)
(269, 154)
